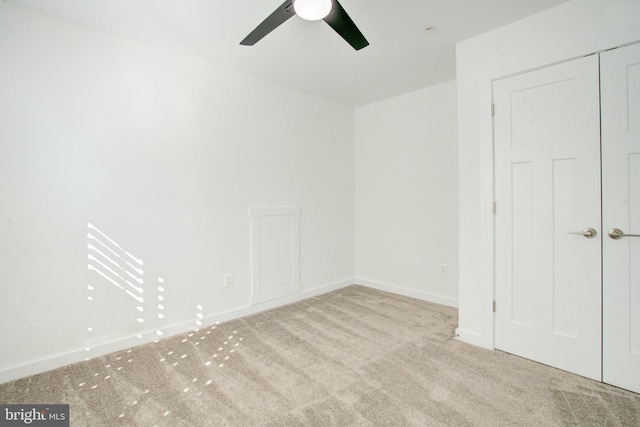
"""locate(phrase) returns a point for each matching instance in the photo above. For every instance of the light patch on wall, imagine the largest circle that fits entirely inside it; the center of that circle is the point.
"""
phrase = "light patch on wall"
(117, 267)
(114, 264)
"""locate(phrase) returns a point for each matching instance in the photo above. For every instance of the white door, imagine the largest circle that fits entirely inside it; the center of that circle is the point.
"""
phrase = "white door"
(620, 78)
(547, 185)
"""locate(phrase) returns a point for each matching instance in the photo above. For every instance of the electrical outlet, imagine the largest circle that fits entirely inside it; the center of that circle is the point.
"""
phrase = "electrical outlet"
(444, 269)
(228, 280)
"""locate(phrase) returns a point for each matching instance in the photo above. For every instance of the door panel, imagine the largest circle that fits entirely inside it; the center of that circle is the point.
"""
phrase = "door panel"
(565, 247)
(545, 113)
(547, 184)
(522, 289)
(620, 71)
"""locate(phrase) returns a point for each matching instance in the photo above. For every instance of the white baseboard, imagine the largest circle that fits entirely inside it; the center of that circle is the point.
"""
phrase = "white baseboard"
(424, 296)
(279, 302)
(58, 361)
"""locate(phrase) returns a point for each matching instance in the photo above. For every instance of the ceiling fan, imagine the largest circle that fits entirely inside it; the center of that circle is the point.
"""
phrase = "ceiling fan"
(330, 11)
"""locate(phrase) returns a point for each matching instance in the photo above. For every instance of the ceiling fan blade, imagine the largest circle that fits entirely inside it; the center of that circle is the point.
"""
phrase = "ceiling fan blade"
(279, 16)
(340, 21)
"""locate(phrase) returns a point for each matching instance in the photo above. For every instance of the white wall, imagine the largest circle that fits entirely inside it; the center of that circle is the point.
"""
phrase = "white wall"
(407, 194)
(165, 154)
(573, 29)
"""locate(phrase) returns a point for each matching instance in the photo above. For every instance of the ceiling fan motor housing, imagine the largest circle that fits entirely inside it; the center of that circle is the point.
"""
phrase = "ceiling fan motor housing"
(312, 10)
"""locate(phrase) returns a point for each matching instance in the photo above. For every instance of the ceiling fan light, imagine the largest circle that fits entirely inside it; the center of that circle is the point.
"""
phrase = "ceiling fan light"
(312, 10)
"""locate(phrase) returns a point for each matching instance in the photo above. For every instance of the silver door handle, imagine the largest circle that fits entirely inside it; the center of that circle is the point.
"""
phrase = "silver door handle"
(587, 232)
(615, 234)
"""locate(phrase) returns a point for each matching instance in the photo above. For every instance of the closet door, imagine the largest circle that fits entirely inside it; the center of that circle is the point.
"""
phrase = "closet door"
(620, 91)
(548, 216)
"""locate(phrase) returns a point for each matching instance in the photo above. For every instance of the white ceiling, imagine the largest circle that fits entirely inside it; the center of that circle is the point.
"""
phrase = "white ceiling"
(304, 55)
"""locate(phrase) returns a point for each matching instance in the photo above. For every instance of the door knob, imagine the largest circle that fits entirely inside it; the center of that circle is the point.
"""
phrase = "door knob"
(615, 234)
(587, 232)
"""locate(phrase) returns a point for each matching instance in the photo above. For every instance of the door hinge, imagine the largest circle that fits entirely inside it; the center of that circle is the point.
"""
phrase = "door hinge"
(494, 306)
(493, 109)
(494, 208)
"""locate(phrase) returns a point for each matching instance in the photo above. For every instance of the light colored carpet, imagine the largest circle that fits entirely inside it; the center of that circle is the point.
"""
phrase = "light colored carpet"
(356, 356)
